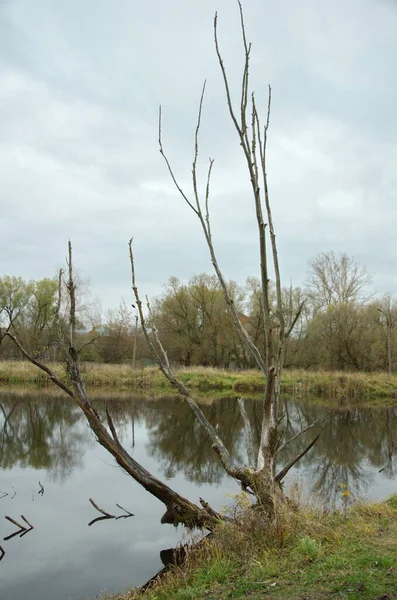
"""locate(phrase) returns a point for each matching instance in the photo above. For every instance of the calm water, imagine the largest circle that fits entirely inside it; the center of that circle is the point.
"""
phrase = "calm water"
(45, 443)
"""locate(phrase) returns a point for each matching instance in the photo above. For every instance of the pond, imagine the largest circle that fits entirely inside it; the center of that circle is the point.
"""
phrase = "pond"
(50, 465)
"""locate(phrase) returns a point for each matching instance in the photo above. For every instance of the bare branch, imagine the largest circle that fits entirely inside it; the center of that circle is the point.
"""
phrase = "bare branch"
(207, 196)
(129, 514)
(101, 510)
(89, 343)
(27, 522)
(225, 80)
(298, 314)
(166, 369)
(196, 152)
(244, 85)
(281, 448)
(248, 433)
(280, 476)
(22, 527)
(112, 427)
(40, 365)
(171, 172)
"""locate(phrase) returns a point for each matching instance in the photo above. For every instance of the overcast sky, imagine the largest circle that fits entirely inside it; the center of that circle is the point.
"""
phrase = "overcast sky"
(80, 86)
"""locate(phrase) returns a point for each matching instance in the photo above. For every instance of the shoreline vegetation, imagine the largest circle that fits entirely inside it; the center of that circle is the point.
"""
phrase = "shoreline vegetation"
(300, 383)
(307, 553)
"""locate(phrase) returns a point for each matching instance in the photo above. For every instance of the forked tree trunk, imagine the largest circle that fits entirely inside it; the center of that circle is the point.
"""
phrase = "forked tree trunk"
(259, 477)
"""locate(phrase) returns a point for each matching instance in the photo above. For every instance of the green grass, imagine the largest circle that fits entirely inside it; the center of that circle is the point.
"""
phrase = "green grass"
(333, 385)
(305, 555)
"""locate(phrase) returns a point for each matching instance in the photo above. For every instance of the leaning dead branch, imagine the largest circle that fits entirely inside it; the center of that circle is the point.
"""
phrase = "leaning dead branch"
(280, 476)
(178, 508)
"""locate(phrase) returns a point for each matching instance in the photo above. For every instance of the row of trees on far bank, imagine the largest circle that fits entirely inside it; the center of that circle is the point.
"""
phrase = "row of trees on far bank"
(342, 326)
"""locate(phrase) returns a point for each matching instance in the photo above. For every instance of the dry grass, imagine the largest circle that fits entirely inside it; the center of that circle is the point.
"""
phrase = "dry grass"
(334, 385)
(306, 553)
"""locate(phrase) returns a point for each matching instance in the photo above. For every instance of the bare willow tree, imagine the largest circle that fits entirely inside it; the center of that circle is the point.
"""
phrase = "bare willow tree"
(259, 476)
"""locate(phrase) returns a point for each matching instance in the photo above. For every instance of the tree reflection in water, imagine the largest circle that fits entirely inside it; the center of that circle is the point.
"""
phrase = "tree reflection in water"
(41, 434)
(355, 447)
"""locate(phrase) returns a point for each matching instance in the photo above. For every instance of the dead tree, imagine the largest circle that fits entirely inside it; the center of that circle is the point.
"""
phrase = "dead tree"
(259, 476)
(178, 508)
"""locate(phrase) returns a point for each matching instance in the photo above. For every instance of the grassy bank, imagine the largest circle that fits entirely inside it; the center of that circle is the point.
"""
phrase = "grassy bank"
(356, 386)
(307, 556)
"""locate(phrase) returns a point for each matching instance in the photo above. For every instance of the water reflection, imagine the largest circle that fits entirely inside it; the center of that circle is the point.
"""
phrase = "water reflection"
(355, 445)
(40, 434)
(45, 439)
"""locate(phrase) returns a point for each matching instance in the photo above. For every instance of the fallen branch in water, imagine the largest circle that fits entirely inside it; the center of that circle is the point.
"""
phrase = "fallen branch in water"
(22, 530)
(15, 523)
(106, 514)
(128, 513)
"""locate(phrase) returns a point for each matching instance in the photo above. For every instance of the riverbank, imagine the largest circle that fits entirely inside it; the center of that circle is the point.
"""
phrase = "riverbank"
(333, 385)
(307, 555)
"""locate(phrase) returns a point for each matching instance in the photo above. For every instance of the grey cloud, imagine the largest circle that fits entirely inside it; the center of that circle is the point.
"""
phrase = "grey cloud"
(79, 93)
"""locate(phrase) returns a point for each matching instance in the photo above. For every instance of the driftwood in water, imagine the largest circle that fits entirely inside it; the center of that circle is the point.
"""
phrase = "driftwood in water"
(107, 515)
(22, 530)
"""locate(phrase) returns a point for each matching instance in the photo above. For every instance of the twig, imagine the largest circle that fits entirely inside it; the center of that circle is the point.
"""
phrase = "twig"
(40, 365)
(41, 491)
(26, 521)
(108, 515)
(15, 523)
(2, 551)
(98, 519)
(4, 494)
(129, 514)
(22, 530)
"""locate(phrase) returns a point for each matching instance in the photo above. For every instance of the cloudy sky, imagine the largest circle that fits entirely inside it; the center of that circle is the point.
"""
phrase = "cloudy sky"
(80, 86)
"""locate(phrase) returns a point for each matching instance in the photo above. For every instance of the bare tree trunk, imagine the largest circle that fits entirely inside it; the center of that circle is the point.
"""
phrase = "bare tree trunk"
(259, 476)
(178, 508)
(135, 341)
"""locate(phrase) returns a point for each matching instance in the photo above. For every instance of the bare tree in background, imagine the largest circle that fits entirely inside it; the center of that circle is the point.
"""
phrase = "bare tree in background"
(337, 279)
(259, 475)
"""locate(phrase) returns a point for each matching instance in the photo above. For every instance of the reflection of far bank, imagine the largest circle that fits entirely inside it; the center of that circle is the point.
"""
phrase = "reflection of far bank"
(354, 446)
(49, 432)
(41, 434)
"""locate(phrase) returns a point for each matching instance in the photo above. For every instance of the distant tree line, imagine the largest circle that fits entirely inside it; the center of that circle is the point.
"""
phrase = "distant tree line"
(342, 326)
